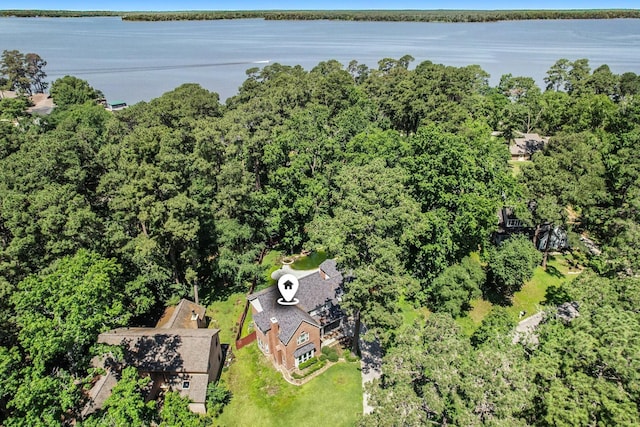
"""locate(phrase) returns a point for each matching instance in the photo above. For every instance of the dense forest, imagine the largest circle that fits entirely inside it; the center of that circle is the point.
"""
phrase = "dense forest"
(397, 171)
(347, 15)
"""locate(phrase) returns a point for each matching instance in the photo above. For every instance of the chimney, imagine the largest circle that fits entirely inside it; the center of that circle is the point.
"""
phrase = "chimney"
(273, 337)
(195, 293)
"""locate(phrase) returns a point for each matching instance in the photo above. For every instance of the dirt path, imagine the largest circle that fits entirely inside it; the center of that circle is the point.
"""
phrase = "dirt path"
(42, 103)
(371, 364)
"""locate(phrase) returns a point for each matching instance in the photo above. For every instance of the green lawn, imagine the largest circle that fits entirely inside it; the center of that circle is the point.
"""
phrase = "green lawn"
(270, 262)
(225, 316)
(528, 299)
(409, 313)
(261, 397)
(516, 166)
(309, 262)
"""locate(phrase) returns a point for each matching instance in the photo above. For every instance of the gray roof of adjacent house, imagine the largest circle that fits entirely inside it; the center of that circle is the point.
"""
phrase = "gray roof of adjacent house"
(527, 144)
(163, 350)
(314, 291)
(182, 316)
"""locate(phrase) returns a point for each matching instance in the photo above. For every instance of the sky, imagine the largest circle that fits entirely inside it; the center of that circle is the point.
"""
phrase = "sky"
(167, 5)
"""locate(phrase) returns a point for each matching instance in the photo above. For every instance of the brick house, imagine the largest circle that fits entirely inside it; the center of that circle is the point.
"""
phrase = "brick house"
(291, 334)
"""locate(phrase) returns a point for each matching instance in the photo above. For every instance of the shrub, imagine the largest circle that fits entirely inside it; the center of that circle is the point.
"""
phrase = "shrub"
(308, 363)
(350, 357)
(313, 368)
(330, 353)
(218, 395)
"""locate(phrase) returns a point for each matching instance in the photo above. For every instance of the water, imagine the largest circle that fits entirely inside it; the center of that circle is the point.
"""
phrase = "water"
(135, 61)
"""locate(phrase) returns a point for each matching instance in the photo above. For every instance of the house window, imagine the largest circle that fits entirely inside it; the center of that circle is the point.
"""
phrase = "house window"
(304, 357)
(303, 338)
(263, 346)
(186, 385)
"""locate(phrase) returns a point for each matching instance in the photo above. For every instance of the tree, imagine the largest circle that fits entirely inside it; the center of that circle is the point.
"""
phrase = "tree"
(496, 328)
(364, 230)
(523, 113)
(175, 412)
(126, 406)
(512, 263)
(13, 67)
(13, 108)
(570, 172)
(61, 311)
(218, 395)
(629, 84)
(68, 90)
(160, 187)
(558, 74)
(603, 82)
(452, 290)
(48, 195)
(578, 76)
(585, 369)
(433, 376)
(34, 70)
(460, 182)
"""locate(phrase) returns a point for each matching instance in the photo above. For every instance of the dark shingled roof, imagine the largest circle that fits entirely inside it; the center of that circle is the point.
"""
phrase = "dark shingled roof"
(304, 349)
(313, 292)
(289, 316)
(163, 350)
(181, 316)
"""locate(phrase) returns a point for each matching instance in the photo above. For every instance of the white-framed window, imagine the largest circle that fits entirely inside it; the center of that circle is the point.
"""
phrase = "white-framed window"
(303, 338)
(263, 346)
(304, 357)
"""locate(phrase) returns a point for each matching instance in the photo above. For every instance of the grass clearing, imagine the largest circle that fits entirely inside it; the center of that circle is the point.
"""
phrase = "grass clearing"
(470, 322)
(409, 313)
(309, 262)
(516, 166)
(262, 397)
(225, 316)
(528, 299)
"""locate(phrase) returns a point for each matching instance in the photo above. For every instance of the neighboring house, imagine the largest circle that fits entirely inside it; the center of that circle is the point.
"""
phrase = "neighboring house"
(291, 334)
(179, 354)
(525, 146)
(552, 238)
(508, 224)
(185, 315)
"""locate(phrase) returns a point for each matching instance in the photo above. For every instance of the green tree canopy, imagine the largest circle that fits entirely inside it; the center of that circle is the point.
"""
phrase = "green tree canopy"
(512, 263)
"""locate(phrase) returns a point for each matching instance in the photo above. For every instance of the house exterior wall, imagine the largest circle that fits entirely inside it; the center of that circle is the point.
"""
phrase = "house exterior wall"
(314, 337)
(277, 352)
(198, 408)
(215, 358)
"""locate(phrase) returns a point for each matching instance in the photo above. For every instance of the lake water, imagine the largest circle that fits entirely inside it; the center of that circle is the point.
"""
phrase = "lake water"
(134, 61)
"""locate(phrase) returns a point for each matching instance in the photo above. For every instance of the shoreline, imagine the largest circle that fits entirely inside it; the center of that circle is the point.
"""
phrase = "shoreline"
(439, 16)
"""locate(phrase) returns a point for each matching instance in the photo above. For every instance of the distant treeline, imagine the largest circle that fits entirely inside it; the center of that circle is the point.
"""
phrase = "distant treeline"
(360, 15)
(452, 15)
(58, 13)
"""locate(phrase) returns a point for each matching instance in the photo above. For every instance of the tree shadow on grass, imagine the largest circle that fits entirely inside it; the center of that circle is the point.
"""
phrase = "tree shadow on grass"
(556, 295)
(552, 271)
(497, 298)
